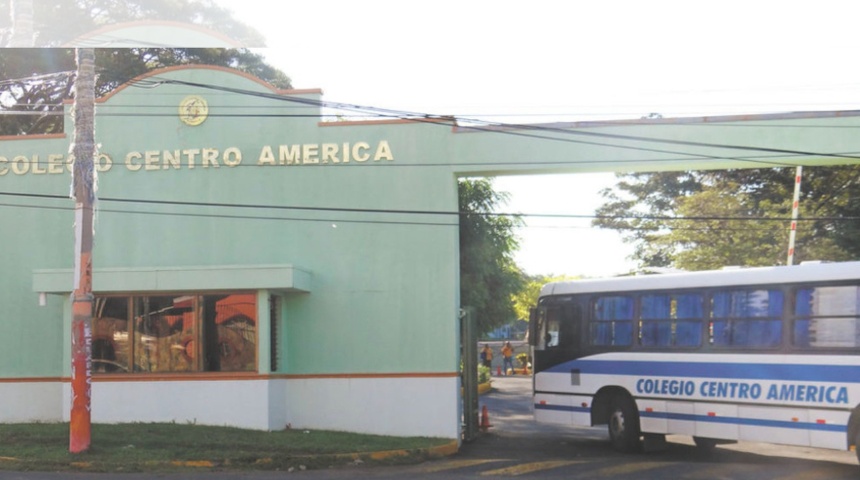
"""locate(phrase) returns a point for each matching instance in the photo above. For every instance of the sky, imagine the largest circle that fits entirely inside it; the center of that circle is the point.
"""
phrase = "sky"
(541, 60)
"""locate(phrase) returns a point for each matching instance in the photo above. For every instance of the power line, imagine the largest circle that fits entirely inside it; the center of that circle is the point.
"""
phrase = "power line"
(503, 128)
(422, 212)
(507, 128)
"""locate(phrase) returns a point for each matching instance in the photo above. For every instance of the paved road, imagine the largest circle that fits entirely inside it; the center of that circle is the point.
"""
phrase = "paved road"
(517, 447)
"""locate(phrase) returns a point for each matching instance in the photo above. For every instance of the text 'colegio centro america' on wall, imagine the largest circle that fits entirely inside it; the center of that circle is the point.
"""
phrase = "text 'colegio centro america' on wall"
(190, 158)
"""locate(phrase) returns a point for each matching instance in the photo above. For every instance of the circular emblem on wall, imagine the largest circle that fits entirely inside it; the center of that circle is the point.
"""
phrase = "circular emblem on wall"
(193, 110)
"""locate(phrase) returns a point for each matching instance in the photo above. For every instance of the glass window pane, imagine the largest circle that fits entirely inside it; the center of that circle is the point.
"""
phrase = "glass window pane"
(834, 332)
(165, 334)
(656, 333)
(613, 308)
(656, 307)
(830, 300)
(747, 318)
(230, 332)
(111, 349)
(689, 306)
(612, 321)
(688, 333)
(829, 317)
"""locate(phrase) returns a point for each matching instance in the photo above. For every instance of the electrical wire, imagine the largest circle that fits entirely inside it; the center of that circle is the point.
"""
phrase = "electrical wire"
(504, 127)
(428, 212)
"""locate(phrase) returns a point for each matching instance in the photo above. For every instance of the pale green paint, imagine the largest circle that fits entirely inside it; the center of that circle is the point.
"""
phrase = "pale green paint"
(578, 147)
(111, 280)
(264, 330)
(383, 288)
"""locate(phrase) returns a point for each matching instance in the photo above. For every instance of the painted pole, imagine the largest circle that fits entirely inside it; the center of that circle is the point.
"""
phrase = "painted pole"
(795, 211)
(83, 193)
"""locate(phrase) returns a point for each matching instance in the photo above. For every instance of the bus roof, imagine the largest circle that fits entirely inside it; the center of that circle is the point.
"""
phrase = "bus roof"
(818, 272)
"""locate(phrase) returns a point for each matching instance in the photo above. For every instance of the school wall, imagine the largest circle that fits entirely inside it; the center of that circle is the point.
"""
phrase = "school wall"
(382, 293)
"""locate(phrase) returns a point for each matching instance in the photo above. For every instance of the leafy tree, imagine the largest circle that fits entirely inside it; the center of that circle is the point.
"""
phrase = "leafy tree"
(527, 296)
(488, 275)
(703, 220)
(29, 92)
(59, 22)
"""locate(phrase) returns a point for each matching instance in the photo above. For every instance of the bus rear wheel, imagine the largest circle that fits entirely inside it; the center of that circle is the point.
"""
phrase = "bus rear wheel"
(857, 445)
(623, 423)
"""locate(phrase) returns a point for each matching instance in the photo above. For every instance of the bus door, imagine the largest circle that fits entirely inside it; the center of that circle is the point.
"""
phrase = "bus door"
(554, 332)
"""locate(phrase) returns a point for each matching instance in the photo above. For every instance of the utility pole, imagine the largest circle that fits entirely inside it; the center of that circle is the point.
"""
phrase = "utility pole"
(83, 193)
(795, 212)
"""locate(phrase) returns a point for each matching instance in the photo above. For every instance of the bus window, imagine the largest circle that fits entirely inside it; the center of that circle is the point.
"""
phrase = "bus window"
(827, 317)
(671, 320)
(747, 318)
(553, 326)
(537, 329)
(612, 321)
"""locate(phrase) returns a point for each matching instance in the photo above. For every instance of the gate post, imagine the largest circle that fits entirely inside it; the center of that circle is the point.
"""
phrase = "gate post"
(469, 375)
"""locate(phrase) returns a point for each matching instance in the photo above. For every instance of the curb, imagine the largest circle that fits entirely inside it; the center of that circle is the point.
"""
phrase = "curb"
(430, 452)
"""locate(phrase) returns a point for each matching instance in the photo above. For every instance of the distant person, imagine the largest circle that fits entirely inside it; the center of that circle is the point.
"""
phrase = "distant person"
(508, 358)
(487, 355)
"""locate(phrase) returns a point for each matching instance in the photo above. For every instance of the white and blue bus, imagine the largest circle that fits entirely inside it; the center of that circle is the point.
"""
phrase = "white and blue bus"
(754, 354)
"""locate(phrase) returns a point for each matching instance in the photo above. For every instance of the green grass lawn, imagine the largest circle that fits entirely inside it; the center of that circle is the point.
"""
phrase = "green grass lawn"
(163, 447)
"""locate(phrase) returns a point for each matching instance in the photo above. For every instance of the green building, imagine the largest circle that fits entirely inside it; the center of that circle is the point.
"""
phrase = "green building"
(256, 267)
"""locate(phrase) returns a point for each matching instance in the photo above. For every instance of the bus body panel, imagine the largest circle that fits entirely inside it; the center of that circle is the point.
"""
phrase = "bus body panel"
(764, 425)
(771, 399)
(829, 430)
(716, 420)
(551, 408)
(755, 354)
(652, 418)
(679, 418)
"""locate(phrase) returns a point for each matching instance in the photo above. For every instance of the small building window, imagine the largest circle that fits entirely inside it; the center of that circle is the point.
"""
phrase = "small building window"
(175, 333)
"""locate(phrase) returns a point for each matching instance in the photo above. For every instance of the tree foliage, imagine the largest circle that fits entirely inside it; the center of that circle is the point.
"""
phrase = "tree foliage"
(59, 22)
(705, 220)
(527, 296)
(489, 276)
(28, 91)
(37, 81)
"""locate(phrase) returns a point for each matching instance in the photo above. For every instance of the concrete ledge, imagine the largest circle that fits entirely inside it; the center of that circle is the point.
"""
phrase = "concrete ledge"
(286, 278)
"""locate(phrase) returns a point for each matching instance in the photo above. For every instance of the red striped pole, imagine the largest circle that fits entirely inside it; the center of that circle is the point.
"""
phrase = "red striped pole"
(795, 211)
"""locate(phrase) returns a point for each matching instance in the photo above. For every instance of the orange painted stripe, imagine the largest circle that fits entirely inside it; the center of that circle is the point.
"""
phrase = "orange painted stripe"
(366, 375)
(33, 379)
(240, 376)
(177, 377)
